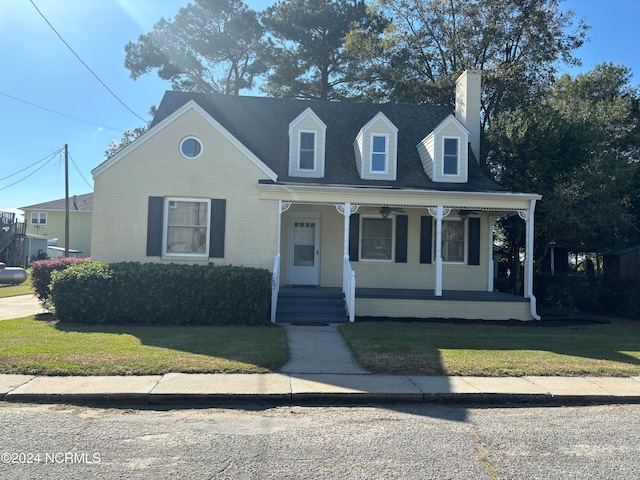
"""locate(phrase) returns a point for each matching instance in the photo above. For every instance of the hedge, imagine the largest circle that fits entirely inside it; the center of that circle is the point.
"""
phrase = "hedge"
(170, 294)
(41, 271)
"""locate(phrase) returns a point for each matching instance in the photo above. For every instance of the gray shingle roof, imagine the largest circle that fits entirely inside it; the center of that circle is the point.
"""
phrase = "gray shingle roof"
(262, 125)
(83, 203)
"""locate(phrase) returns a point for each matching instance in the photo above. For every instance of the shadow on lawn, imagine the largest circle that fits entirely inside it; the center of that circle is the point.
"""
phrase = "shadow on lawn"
(256, 345)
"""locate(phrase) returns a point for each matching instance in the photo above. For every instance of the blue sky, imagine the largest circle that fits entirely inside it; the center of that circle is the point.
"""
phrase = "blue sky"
(39, 69)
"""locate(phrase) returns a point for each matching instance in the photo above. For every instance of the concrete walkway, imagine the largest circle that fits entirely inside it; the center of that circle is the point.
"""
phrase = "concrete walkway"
(20, 306)
(318, 349)
(321, 371)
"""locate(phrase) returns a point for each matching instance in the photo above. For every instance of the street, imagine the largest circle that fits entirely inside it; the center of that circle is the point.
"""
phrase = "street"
(390, 441)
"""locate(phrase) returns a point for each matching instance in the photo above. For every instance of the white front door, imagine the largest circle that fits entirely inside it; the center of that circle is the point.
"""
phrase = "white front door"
(304, 249)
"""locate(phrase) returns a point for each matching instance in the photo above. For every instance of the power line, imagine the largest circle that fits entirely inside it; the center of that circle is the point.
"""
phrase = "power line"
(50, 157)
(58, 113)
(83, 63)
(80, 173)
(32, 165)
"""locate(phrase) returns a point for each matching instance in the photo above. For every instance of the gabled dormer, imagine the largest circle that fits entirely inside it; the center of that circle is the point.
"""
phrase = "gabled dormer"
(376, 150)
(307, 137)
(444, 152)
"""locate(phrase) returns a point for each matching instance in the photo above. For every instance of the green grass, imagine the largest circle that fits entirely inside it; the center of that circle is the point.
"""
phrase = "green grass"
(14, 290)
(33, 346)
(494, 350)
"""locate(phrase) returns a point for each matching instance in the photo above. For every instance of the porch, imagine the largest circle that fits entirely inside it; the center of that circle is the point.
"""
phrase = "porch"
(326, 304)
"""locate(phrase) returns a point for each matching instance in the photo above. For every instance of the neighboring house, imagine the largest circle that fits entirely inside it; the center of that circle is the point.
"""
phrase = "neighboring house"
(384, 203)
(622, 264)
(48, 220)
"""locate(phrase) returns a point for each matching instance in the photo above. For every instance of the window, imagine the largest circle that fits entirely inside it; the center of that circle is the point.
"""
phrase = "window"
(378, 153)
(307, 151)
(452, 241)
(190, 148)
(38, 218)
(377, 239)
(187, 227)
(450, 157)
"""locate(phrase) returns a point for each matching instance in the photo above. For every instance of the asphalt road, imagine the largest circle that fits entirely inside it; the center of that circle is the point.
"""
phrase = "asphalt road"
(403, 442)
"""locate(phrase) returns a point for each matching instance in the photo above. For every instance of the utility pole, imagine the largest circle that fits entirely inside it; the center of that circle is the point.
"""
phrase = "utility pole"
(66, 200)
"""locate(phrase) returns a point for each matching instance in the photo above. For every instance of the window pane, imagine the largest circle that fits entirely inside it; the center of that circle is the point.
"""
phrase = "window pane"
(450, 165)
(379, 144)
(306, 160)
(378, 162)
(307, 140)
(191, 148)
(451, 146)
(452, 241)
(377, 238)
(187, 227)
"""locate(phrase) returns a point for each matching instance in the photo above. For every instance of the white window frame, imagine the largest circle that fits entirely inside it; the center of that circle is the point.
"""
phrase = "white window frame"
(458, 156)
(170, 202)
(40, 215)
(191, 137)
(392, 218)
(372, 152)
(465, 241)
(315, 150)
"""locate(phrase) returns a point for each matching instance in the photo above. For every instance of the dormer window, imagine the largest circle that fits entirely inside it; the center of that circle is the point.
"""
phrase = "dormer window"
(450, 156)
(375, 149)
(307, 151)
(307, 136)
(379, 153)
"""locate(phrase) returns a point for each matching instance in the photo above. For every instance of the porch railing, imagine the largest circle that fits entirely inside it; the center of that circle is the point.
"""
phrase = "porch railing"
(275, 287)
(349, 288)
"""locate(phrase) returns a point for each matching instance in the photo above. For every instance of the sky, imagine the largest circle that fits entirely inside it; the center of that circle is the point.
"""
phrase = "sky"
(49, 99)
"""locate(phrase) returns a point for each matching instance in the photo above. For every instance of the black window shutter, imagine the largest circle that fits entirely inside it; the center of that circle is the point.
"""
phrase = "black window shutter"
(402, 233)
(426, 234)
(155, 214)
(474, 241)
(354, 238)
(216, 233)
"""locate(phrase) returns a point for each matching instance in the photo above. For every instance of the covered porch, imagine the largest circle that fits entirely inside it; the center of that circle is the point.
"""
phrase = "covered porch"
(417, 279)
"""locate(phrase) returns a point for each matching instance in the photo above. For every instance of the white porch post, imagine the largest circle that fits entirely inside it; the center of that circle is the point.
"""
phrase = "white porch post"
(528, 217)
(275, 276)
(439, 212)
(492, 224)
(347, 223)
(348, 275)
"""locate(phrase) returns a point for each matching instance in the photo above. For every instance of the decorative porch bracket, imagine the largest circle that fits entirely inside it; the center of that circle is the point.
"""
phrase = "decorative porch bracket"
(348, 275)
(439, 212)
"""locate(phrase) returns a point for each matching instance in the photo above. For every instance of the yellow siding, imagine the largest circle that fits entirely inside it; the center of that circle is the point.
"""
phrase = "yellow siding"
(156, 168)
(402, 308)
(79, 228)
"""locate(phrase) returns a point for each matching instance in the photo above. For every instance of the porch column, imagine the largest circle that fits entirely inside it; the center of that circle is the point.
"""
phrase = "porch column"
(439, 212)
(492, 224)
(275, 276)
(528, 217)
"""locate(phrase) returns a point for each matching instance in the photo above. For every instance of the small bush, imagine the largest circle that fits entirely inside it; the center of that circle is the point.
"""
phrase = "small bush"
(41, 274)
(153, 293)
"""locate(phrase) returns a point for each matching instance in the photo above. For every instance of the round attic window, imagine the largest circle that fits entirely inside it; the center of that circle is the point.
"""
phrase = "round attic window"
(190, 148)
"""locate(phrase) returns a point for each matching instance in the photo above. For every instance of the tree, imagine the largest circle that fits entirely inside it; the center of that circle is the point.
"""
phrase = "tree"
(210, 46)
(578, 147)
(128, 137)
(518, 44)
(305, 48)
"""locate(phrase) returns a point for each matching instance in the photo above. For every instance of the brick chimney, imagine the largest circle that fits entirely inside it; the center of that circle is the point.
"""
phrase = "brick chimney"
(468, 106)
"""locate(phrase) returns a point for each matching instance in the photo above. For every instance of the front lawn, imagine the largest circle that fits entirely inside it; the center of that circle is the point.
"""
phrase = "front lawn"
(427, 348)
(32, 346)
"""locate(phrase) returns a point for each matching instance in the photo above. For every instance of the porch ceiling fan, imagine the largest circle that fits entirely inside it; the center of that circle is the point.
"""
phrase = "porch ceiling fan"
(386, 210)
(464, 214)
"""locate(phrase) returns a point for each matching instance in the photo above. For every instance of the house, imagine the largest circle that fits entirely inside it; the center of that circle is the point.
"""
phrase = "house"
(47, 220)
(622, 265)
(384, 204)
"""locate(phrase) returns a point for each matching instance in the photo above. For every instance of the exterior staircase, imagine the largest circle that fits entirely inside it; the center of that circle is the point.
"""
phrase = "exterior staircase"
(311, 305)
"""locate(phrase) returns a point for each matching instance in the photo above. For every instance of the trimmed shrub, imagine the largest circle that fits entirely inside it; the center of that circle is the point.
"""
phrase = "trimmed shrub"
(151, 293)
(41, 274)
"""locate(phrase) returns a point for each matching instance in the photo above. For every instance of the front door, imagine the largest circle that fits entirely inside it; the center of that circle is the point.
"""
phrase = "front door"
(304, 250)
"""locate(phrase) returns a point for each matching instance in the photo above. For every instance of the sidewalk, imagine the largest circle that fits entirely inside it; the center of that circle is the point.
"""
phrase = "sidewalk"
(316, 389)
(321, 371)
